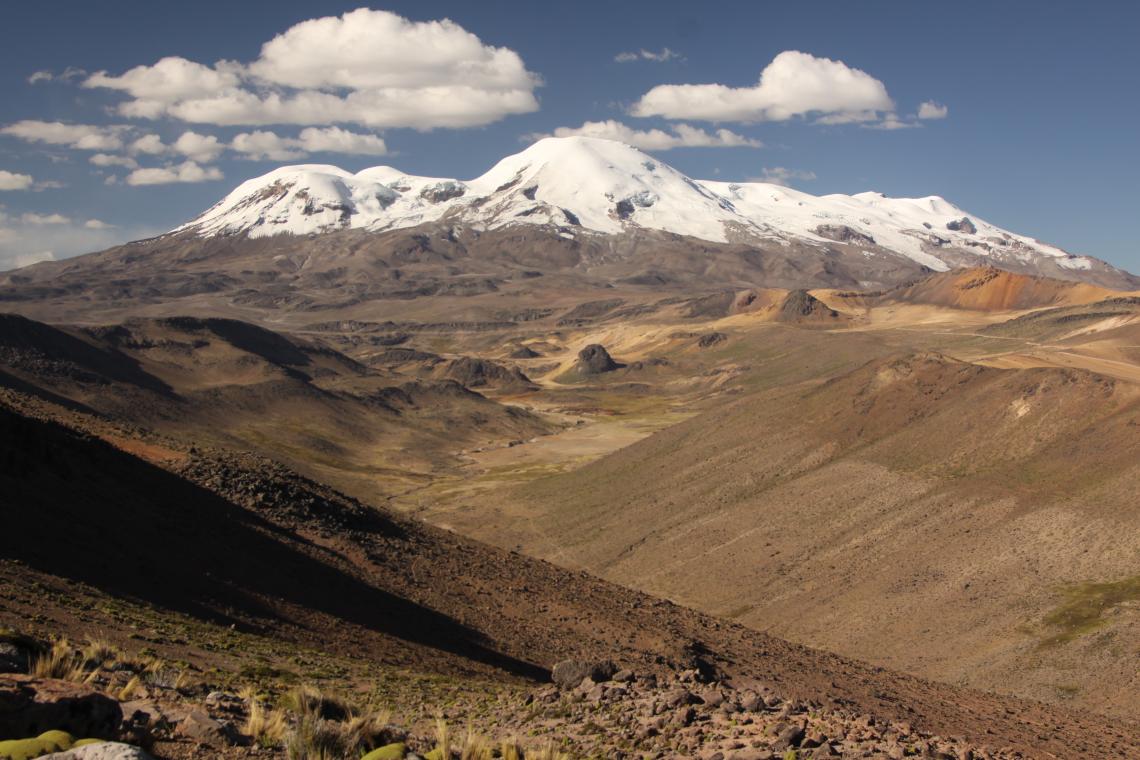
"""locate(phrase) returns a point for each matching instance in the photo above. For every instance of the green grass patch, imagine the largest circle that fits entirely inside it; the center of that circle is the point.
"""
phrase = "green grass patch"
(1086, 606)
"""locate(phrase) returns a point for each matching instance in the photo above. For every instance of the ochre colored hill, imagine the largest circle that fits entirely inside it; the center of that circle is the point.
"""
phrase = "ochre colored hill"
(992, 289)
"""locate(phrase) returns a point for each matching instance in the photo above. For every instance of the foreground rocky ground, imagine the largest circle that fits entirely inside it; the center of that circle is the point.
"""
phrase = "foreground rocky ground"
(132, 707)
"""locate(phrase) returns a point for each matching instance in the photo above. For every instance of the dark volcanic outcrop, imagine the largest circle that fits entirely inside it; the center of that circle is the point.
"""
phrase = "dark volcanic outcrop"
(594, 359)
(962, 225)
(802, 306)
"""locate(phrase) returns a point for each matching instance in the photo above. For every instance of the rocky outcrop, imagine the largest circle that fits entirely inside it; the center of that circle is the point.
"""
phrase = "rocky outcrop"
(569, 673)
(802, 306)
(594, 359)
(708, 340)
(29, 706)
(841, 233)
(962, 225)
(472, 372)
(524, 352)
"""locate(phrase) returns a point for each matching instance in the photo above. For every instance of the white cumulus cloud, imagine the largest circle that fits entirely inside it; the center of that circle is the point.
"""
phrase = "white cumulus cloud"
(264, 145)
(186, 172)
(932, 110)
(13, 181)
(367, 67)
(149, 144)
(201, 148)
(107, 159)
(78, 136)
(793, 84)
(678, 136)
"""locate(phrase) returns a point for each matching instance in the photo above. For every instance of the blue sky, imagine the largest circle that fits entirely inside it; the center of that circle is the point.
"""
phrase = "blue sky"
(1040, 100)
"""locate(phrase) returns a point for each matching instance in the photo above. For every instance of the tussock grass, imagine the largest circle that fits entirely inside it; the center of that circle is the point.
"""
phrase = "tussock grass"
(442, 738)
(477, 747)
(63, 661)
(267, 728)
(128, 691)
(325, 726)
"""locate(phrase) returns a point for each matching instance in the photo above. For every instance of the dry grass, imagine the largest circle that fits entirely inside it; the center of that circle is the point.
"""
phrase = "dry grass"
(63, 661)
(128, 691)
(327, 726)
(476, 747)
(547, 751)
(100, 652)
(442, 737)
(268, 728)
(509, 750)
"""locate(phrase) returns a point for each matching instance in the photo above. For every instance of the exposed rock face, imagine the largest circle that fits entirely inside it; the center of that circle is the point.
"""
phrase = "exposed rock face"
(29, 706)
(801, 306)
(594, 359)
(962, 225)
(841, 233)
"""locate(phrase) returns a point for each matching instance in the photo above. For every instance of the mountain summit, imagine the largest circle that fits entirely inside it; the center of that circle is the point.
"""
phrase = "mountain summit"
(589, 186)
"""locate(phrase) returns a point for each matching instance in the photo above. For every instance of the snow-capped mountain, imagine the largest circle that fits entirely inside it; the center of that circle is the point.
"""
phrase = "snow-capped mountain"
(588, 186)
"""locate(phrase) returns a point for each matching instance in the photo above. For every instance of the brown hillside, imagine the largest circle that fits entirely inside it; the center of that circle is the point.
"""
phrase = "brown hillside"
(291, 559)
(919, 512)
(364, 429)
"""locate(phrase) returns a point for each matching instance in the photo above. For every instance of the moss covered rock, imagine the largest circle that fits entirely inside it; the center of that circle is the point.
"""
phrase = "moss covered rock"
(26, 749)
(387, 752)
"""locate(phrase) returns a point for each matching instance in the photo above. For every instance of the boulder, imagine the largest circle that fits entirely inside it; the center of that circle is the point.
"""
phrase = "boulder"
(29, 706)
(100, 751)
(789, 737)
(198, 726)
(568, 674)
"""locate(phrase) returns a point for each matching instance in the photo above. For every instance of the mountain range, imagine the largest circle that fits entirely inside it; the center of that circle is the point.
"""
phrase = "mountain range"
(584, 214)
(585, 186)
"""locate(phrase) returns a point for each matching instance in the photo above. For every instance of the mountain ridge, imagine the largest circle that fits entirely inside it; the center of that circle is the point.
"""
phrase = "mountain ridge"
(581, 185)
